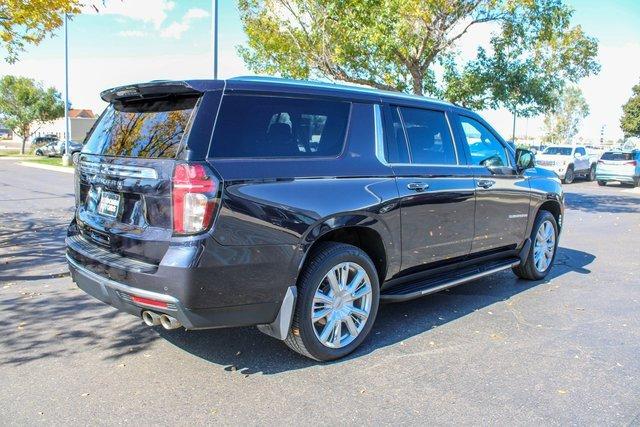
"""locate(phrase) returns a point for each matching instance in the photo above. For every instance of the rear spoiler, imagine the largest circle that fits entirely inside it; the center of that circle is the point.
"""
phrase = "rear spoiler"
(152, 89)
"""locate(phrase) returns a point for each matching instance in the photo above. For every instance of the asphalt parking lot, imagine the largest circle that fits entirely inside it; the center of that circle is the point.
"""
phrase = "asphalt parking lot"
(497, 350)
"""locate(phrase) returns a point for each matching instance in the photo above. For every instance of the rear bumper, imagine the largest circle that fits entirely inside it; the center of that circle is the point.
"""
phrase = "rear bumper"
(615, 177)
(120, 296)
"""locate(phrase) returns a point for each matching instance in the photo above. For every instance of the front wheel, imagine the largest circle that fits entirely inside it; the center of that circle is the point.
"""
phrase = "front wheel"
(602, 183)
(75, 157)
(569, 175)
(39, 153)
(338, 296)
(544, 243)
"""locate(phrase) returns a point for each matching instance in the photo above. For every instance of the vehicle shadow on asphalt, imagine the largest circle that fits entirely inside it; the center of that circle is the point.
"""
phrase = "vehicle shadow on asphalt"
(248, 351)
(47, 321)
(32, 248)
(605, 203)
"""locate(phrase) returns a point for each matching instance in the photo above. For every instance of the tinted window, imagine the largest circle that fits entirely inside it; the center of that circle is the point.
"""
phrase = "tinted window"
(557, 151)
(617, 156)
(429, 137)
(141, 128)
(260, 126)
(396, 143)
(581, 151)
(485, 148)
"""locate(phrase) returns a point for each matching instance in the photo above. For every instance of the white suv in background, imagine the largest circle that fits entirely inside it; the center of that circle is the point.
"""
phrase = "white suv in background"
(568, 161)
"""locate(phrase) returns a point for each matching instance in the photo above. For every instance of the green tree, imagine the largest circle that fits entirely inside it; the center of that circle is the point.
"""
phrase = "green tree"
(630, 120)
(29, 22)
(410, 45)
(25, 105)
(562, 123)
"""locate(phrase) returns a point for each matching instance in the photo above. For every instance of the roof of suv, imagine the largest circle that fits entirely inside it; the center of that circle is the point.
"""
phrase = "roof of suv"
(266, 84)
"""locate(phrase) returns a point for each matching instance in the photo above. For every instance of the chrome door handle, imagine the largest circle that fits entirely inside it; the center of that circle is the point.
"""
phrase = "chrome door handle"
(485, 183)
(417, 186)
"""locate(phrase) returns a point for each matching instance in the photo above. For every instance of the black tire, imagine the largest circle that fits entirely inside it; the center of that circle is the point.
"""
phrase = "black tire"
(528, 270)
(302, 335)
(592, 173)
(602, 183)
(38, 153)
(569, 175)
(75, 157)
(636, 182)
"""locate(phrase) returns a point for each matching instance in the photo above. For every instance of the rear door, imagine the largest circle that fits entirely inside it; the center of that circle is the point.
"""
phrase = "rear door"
(436, 188)
(502, 197)
(582, 161)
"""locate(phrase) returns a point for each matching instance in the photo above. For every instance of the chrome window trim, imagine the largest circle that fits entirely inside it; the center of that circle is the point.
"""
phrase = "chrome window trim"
(453, 138)
(120, 171)
(379, 135)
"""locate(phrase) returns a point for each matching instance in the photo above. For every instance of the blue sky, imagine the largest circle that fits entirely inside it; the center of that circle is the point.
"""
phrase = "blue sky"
(140, 40)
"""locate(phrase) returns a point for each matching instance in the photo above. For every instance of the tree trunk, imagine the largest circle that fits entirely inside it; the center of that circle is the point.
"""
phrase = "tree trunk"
(417, 80)
(25, 135)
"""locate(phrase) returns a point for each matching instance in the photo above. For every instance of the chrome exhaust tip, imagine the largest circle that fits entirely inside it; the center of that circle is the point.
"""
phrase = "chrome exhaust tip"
(169, 322)
(150, 318)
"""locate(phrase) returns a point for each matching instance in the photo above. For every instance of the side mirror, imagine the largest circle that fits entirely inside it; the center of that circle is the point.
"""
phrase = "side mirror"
(525, 159)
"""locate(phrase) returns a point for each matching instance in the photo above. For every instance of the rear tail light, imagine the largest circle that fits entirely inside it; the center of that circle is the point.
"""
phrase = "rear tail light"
(631, 163)
(194, 198)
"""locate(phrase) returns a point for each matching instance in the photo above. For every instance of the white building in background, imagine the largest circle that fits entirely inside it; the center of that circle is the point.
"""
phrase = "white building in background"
(80, 123)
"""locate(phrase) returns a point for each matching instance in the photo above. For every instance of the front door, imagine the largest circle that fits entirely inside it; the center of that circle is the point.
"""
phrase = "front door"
(436, 190)
(502, 195)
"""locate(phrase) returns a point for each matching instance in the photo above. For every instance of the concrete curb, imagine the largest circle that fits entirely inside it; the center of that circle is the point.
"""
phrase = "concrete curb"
(47, 167)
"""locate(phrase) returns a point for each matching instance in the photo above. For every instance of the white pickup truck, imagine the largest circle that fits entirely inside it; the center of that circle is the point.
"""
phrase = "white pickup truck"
(568, 161)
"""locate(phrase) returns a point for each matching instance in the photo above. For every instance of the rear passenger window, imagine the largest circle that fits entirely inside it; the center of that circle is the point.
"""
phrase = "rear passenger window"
(267, 127)
(429, 137)
(396, 148)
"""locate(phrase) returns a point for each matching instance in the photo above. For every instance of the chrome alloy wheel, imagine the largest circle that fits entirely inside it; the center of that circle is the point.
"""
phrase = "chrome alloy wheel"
(341, 305)
(544, 246)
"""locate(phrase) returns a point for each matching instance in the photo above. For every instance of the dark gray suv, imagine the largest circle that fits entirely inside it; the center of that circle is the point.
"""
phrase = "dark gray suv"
(298, 207)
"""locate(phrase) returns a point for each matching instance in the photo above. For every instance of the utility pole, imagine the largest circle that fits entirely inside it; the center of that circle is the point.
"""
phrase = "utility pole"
(66, 158)
(513, 132)
(214, 9)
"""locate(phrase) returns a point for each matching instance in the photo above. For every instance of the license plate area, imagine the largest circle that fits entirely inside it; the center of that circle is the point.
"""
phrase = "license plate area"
(110, 204)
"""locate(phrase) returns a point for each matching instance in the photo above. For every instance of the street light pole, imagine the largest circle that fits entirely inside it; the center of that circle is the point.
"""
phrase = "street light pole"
(214, 9)
(66, 157)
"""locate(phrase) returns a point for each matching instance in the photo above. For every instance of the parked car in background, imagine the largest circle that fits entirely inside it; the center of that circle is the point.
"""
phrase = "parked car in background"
(57, 149)
(298, 206)
(41, 141)
(620, 166)
(568, 162)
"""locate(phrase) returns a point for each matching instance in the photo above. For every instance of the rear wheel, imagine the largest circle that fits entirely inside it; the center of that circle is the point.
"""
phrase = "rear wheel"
(592, 173)
(544, 243)
(602, 183)
(39, 152)
(338, 294)
(569, 175)
(636, 181)
(75, 157)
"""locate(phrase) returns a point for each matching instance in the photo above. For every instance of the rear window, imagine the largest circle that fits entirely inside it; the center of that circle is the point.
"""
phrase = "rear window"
(617, 156)
(145, 128)
(273, 127)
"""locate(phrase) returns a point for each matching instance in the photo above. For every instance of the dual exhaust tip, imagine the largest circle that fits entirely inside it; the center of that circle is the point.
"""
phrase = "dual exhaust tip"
(151, 318)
